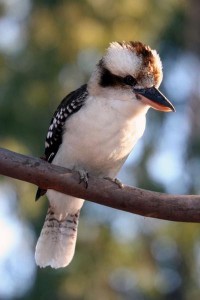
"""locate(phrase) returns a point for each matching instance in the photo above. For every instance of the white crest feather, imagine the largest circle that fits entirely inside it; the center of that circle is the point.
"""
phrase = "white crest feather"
(128, 58)
(121, 60)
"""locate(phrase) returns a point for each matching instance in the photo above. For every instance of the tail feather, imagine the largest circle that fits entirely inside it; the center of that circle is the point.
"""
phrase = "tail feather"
(56, 244)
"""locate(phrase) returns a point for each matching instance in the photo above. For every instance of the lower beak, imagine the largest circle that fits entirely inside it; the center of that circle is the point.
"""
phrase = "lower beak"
(154, 98)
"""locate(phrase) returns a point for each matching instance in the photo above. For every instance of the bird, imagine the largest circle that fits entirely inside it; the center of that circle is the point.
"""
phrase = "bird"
(93, 131)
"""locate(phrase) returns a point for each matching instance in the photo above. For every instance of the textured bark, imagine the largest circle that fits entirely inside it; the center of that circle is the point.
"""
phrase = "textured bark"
(183, 208)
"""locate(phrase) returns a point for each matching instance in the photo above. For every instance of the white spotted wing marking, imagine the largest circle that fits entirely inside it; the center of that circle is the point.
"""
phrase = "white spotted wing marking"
(70, 104)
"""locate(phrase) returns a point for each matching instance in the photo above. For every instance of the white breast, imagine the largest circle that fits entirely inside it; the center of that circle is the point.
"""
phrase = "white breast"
(100, 136)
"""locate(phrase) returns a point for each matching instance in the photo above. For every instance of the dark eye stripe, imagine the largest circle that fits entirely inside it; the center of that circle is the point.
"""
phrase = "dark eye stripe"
(109, 79)
(130, 80)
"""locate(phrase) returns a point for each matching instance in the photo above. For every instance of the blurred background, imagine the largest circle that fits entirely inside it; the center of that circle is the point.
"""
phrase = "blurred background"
(47, 49)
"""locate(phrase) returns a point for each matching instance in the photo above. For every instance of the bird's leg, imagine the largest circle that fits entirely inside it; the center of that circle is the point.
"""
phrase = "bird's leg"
(116, 181)
(83, 177)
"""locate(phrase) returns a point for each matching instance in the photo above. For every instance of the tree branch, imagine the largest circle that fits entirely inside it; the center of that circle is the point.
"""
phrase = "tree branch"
(182, 208)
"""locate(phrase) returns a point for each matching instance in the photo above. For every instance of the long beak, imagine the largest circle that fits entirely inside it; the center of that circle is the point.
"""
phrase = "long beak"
(154, 98)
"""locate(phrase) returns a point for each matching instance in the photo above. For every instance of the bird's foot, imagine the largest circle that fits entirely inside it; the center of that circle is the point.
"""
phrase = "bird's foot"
(116, 181)
(83, 177)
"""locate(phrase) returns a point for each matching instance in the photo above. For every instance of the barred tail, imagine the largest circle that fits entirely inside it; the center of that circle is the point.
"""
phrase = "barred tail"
(56, 244)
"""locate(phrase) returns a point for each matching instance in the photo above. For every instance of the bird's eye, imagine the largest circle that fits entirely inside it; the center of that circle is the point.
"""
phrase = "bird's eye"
(130, 80)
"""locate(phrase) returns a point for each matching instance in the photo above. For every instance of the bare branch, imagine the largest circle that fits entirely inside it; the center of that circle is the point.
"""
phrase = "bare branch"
(182, 208)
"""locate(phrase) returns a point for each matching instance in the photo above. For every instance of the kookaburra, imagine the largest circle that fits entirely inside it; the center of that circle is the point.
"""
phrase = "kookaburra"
(93, 131)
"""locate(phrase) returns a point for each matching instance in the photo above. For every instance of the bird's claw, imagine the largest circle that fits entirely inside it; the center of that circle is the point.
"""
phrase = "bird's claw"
(83, 177)
(116, 181)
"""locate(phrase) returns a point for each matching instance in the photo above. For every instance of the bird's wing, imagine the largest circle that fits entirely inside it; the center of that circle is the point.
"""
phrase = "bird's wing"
(69, 105)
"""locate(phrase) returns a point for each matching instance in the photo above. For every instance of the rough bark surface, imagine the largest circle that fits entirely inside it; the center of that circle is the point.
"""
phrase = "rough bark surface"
(182, 208)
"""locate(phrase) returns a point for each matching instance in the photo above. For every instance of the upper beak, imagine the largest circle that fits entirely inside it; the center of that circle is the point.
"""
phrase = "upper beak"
(153, 97)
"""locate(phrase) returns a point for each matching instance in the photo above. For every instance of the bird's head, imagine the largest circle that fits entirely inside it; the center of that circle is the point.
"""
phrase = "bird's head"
(132, 68)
